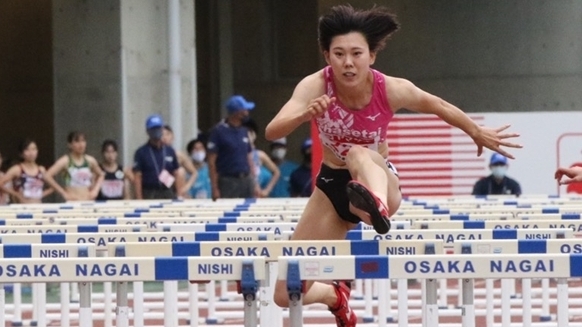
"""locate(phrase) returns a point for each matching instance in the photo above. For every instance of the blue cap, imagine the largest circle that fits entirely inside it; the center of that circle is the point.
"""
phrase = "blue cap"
(307, 143)
(237, 102)
(154, 121)
(497, 159)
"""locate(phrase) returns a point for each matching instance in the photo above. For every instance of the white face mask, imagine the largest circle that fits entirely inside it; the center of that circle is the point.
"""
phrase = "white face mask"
(499, 171)
(199, 156)
(279, 153)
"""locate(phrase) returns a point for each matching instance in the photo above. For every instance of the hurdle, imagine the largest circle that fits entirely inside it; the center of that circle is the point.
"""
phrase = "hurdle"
(271, 251)
(247, 270)
(34, 251)
(561, 246)
(296, 270)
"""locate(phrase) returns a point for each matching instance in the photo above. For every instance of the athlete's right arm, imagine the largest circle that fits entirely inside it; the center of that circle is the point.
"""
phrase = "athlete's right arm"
(49, 178)
(308, 101)
(10, 175)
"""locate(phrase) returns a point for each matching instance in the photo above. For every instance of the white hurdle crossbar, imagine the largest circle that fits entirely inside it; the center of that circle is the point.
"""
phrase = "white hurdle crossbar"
(248, 270)
(296, 270)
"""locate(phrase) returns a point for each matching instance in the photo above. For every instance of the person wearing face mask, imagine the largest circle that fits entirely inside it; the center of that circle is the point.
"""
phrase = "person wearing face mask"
(230, 153)
(301, 181)
(497, 182)
(155, 165)
(286, 167)
(201, 188)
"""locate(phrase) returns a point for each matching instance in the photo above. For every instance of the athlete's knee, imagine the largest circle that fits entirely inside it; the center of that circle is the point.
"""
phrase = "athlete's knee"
(356, 154)
(281, 298)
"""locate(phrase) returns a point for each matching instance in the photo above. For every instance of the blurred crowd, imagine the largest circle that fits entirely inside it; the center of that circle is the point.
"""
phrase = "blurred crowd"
(223, 163)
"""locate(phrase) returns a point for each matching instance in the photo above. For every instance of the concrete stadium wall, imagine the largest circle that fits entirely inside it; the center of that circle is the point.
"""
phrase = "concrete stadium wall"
(484, 56)
(26, 75)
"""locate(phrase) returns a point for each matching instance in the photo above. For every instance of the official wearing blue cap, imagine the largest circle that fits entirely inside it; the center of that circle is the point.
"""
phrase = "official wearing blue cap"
(497, 182)
(155, 165)
(230, 153)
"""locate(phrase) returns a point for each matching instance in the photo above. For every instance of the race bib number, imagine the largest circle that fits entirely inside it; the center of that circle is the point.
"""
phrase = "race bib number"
(166, 178)
(112, 189)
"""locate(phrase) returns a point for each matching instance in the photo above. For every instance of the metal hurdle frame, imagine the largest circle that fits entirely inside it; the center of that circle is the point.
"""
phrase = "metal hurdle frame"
(272, 250)
(248, 270)
(296, 270)
(36, 251)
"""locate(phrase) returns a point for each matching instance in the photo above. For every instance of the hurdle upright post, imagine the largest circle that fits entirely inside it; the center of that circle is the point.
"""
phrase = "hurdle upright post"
(248, 288)
(468, 306)
(431, 312)
(2, 305)
(85, 312)
(295, 292)
(122, 310)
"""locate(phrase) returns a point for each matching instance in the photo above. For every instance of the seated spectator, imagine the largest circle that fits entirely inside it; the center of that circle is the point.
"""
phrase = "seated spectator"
(201, 188)
(497, 182)
(301, 180)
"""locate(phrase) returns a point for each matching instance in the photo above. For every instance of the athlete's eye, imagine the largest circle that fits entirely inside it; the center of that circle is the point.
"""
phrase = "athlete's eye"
(338, 54)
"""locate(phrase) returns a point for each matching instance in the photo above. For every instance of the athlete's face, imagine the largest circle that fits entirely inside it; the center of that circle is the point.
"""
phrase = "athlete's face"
(110, 155)
(350, 58)
(30, 153)
(167, 137)
(78, 146)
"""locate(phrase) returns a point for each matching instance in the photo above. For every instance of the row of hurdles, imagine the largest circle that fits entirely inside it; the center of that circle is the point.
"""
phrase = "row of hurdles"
(423, 234)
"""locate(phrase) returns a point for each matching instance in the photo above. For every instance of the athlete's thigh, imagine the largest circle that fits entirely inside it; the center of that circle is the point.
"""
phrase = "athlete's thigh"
(320, 221)
(394, 193)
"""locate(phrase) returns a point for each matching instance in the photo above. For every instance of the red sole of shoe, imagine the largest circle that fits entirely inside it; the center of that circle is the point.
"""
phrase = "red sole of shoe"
(361, 198)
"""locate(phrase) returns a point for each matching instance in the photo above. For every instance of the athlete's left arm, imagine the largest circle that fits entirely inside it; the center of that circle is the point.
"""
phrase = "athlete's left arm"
(404, 94)
(99, 176)
(49, 190)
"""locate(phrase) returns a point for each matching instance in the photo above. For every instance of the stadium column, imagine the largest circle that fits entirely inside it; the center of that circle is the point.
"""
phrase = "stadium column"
(111, 70)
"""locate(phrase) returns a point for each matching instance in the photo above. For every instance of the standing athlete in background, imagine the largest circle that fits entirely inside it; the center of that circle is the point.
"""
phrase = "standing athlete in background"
(352, 105)
(82, 175)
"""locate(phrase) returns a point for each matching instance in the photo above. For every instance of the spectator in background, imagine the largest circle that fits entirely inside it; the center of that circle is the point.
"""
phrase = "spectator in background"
(186, 168)
(201, 188)
(115, 184)
(497, 182)
(574, 173)
(155, 165)
(301, 180)
(278, 154)
(4, 199)
(266, 172)
(26, 178)
(82, 175)
(230, 154)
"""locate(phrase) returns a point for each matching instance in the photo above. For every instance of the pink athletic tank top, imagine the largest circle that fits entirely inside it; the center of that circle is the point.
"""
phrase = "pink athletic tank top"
(340, 128)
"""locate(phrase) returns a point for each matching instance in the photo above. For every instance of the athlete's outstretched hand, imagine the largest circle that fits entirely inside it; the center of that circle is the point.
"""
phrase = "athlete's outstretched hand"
(574, 173)
(493, 139)
(317, 107)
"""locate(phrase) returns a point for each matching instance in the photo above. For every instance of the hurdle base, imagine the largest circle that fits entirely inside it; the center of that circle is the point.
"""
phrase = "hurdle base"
(17, 324)
(224, 299)
(545, 318)
(358, 297)
(390, 319)
(33, 323)
(368, 319)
